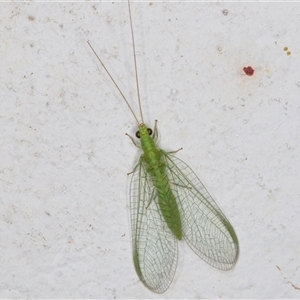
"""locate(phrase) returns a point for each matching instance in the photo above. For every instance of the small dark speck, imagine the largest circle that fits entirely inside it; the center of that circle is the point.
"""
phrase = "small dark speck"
(278, 268)
(225, 12)
(31, 18)
(151, 3)
(295, 287)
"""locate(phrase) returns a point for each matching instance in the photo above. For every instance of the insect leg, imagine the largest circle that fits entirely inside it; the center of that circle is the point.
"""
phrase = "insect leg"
(133, 141)
(172, 152)
(155, 132)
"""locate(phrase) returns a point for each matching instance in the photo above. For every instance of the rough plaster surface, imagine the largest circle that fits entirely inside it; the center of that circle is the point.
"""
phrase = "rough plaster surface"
(64, 214)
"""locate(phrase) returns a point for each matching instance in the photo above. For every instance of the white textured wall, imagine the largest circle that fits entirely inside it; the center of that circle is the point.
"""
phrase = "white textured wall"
(64, 214)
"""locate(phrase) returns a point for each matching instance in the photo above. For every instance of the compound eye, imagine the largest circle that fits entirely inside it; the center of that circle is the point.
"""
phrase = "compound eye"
(149, 131)
(138, 135)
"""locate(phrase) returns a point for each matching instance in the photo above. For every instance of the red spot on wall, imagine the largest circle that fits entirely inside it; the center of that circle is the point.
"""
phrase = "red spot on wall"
(248, 71)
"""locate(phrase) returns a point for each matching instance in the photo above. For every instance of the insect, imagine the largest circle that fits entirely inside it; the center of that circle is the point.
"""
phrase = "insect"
(169, 203)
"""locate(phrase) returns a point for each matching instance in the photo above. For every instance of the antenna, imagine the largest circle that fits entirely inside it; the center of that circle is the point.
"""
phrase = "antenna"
(135, 63)
(108, 73)
(135, 70)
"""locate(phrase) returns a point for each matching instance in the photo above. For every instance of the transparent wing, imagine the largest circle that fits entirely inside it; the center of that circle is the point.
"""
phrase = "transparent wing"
(205, 228)
(154, 245)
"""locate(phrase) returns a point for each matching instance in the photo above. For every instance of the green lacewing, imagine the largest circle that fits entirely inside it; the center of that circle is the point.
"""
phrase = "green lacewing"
(169, 203)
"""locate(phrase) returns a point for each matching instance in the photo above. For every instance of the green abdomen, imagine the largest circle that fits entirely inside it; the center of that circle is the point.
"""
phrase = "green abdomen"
(166, 201)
